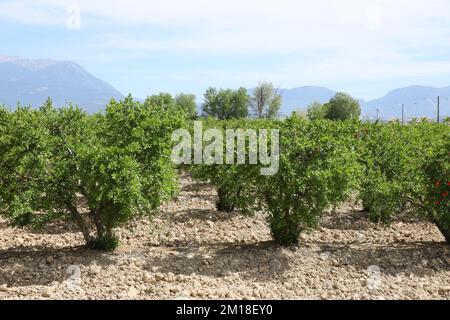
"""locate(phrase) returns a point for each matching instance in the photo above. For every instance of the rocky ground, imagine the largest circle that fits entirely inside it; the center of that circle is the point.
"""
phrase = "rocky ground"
(190, 251)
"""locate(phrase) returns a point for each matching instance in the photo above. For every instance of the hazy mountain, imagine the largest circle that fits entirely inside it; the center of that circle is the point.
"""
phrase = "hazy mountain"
(30, 82)
(416, 100)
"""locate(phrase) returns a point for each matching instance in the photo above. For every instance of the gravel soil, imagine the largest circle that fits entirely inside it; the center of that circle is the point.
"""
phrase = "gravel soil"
(190, 251)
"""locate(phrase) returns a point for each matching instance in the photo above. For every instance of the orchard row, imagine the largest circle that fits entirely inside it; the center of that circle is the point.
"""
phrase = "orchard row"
(102, 170)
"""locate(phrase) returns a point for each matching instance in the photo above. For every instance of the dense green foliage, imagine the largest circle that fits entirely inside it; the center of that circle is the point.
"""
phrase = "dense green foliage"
(316, 111)
(390, 169)
(236, 184)
(394, 158)
(323, 163)
(226, 104)
(54, 163)
(163, 100)
(341, 107)
(186, 103)
(435, 202)
(182, 102)
(318, 168)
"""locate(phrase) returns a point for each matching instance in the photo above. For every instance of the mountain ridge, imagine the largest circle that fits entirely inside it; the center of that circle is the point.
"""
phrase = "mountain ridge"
(31, 81)
(419, 101)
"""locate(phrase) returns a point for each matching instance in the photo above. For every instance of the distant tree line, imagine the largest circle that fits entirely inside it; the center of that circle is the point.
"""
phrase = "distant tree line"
(263, 102)
(224, 104)
(182, 102)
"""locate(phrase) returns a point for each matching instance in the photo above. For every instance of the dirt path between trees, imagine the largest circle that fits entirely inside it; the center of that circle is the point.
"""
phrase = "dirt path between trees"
(190, 251)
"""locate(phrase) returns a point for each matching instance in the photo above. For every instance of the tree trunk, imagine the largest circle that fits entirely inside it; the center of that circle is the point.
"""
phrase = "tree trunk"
(98, 222)
(224, 204)
(80, 222)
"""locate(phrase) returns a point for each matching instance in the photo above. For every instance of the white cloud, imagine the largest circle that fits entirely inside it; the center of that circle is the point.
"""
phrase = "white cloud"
(363, 40)
(26, 12)
(254, 26)
(73, 21)
(374, 18)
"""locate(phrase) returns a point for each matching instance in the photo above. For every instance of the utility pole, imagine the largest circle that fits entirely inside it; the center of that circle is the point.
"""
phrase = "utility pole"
(403, 113)
(438, 107)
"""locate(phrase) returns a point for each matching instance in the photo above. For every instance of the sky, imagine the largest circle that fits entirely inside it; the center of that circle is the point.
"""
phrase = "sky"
(365, 48)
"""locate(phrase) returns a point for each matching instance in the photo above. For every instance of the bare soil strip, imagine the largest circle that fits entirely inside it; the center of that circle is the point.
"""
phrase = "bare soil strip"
(190, 251)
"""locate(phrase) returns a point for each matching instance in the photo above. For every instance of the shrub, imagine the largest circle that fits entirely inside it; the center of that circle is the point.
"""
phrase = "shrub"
(318, 168)
(117, 164)
(392, 156)
(386, 159)
(435, 201)
(236, 184)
